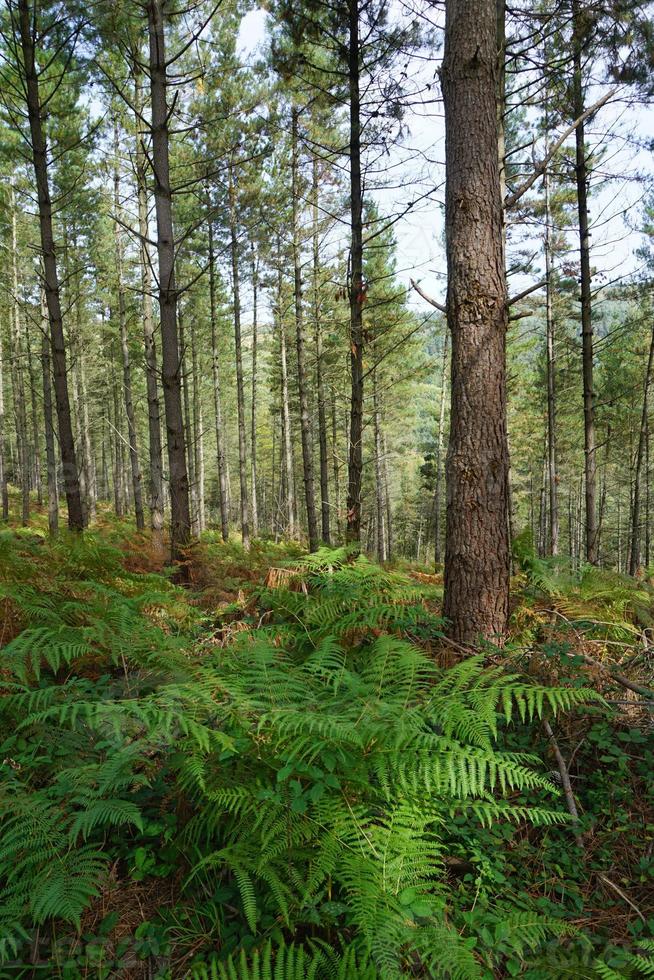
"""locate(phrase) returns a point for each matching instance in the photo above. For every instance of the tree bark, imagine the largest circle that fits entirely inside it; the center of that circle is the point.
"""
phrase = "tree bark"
(305, 421)
(217, 394)
(356, 292)
(634, 550)
(240, 391)
(150, 351)
(581, 174)
(40, 162)
(477, 558)
(170, 354)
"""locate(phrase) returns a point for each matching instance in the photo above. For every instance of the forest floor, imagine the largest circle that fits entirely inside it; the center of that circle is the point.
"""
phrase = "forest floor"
(286, 749)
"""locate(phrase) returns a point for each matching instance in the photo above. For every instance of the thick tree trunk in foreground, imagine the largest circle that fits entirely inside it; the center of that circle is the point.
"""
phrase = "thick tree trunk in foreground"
(581, 173)
(51, 279)
(355, 455)
(180, 523)
(634, 551)
(477, 541)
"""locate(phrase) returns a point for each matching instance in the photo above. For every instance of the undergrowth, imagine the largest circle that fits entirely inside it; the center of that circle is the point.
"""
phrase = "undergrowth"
(280, 772)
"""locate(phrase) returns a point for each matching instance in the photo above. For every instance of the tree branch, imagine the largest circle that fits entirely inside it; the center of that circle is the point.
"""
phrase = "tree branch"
(513, 199)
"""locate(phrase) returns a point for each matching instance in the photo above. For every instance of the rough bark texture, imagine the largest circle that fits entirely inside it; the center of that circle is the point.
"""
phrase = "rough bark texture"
(477, 541)
(581, 174)
(180, 523)
(51, 279)
(150, 351)
(355, 461)
(240, 390)
(305, 420)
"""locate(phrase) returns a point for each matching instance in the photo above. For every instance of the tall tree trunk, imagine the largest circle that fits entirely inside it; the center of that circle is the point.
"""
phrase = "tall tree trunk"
(217, 394)
(634, 550)
(305, 421)
(581, 174)
(551, 377)
(477, 558)
(438, 554)
(253, 427)
(150, 351)
(27, 19)
(170, 355)
(240, 392)
(355, 453)
(135, 466)
(48, 424)
(17, 376)
(320, 380)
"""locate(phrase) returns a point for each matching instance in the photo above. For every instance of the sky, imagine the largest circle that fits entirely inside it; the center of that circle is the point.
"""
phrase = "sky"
(418, 167)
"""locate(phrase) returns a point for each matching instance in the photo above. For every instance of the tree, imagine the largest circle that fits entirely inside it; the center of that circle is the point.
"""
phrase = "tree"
(28, 29)
(477, 543)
